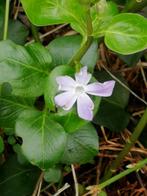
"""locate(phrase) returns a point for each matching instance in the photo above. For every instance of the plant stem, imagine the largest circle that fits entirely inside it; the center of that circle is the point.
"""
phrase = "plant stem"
(83, 49)
(135, 135)
(77, 57)
(134, 5)
(35, 33)
(6, 21)
(139, 165)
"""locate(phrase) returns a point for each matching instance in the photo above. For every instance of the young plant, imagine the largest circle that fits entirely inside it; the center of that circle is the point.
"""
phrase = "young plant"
(53, 130)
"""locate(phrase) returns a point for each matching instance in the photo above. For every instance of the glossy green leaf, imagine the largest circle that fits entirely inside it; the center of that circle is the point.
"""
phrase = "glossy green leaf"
(25, 68)
(16, 179)
(102, 13)
(56, 12)
(1, 145)
(51, 84)
(43, 139)
(52, 175)
(70, 119)
(17, 31)
(111, 116)
(10, 108)
(69, 45)
(81, 146)
(127, 33)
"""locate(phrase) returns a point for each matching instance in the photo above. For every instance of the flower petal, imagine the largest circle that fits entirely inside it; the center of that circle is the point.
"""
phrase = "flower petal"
(85, 107)
(65, 83)
(101, 89)
(65, 100)
(83, 77)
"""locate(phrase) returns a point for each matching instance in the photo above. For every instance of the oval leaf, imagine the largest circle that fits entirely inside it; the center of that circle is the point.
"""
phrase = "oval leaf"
(17, 179)
(127, 33)
(56, 12)
(81, 146)
(25, 68)
(11, 107)
(43, 139)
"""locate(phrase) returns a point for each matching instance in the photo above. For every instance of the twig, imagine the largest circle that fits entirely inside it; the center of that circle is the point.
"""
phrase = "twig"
(48, 33)
(38, 185)
(143, 76)
(75, 181)
(66, 186)
(141, 183)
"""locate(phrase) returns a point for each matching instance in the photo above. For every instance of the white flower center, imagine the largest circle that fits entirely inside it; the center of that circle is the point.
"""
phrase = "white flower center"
(79, 90)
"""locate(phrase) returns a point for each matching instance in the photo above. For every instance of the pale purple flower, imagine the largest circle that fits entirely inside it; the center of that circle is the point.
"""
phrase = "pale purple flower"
(78, 90)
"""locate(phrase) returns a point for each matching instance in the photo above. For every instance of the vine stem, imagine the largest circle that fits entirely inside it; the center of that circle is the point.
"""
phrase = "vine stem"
(93, 190)
(6, 21)
(137, 166)
(134, 137)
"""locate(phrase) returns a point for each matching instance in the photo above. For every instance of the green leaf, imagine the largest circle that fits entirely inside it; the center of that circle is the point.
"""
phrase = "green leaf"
(56, 12)
(70, 119)
(51, 84)
(16, 179)
(43, 139)
(111, 116)
(69, 45)
(25, 68)
(17, 31)
(111, 113)
(102, 13)
(81, 146)
(127, 33)
(11, 107)
(52, 175)
(1, 145)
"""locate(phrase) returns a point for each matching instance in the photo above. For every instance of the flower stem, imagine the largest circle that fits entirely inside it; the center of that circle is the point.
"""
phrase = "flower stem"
(135, 135)
(139, 165)
(134, 6)
(6, 21)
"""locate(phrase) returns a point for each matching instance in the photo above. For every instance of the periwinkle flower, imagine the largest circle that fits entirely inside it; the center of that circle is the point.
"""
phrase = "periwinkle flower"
(78, 90)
